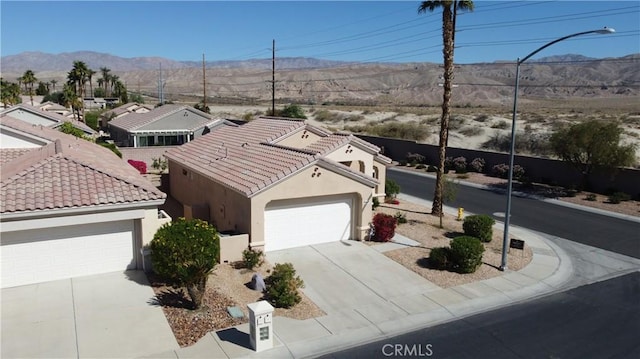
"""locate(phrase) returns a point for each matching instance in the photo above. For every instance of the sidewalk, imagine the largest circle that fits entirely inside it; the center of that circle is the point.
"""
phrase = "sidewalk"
(411, 309)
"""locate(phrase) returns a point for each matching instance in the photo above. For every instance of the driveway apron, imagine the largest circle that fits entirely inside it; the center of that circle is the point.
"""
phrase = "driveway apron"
(99, 316)
(355, 285)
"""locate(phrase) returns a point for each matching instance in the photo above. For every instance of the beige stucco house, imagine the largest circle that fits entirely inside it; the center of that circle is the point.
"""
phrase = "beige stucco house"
(69, 207)
(282, 181)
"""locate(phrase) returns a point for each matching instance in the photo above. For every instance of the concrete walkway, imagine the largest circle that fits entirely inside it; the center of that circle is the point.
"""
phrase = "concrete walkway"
(367, 296)
(97, 316)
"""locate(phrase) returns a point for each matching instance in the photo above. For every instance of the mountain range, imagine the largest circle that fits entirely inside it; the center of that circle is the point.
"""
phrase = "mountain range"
(310, 80)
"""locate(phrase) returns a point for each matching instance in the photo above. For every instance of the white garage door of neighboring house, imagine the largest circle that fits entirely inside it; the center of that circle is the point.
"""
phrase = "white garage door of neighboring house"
(295, 223)
(40, 255)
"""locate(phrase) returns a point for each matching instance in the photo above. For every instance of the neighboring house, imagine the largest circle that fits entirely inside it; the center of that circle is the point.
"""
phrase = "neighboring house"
(167, 125)
(69, 207)
(283, 182)
(56, 108)
(37, 117)
(123, 110)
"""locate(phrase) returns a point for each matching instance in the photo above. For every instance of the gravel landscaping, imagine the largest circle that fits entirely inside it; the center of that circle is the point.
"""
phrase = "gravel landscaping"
(227, 286)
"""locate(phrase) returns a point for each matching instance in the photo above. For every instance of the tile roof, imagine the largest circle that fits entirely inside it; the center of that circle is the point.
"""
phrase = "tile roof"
(67, 173)
(57, 119)
(126, 108)
(134, 121)
(247, 159)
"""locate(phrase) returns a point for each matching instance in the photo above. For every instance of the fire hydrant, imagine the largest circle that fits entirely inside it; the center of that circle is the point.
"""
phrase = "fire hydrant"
(460, 213)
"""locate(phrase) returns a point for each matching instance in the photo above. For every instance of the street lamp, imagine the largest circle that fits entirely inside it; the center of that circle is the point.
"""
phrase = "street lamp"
(606, 30)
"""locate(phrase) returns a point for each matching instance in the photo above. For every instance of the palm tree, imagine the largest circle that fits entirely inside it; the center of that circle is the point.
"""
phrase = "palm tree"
(90, 74)
(106, 78)
(78, 77)
(29, 78)
(70, 99)
(53, 84)
(114, 80)
(449, 12)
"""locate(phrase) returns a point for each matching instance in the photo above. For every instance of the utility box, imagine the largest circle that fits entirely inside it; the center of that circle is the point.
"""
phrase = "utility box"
(261, 325)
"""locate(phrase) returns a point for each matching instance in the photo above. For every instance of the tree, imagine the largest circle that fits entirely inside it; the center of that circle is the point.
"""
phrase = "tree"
(69, 129)
(184, 252)
(90, 74)
(202, 107)
(105, 80)
(10, 93)
(592, 144)
(71, 100)
(292, 111)
(28, 79)
(449, 13)
(78, 77)
(53, 84)
(42, 89)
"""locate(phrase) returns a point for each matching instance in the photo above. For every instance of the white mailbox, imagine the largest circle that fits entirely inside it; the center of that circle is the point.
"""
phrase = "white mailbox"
(261, 325)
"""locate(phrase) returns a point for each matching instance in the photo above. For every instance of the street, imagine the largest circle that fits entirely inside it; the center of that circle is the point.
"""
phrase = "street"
(610, 233)
(600, 320)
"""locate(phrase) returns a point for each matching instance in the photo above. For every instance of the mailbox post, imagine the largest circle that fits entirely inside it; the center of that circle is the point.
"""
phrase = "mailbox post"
(261, 325)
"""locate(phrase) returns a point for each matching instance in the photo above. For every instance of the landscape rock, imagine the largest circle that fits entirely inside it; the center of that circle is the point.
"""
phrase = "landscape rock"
(257, 282)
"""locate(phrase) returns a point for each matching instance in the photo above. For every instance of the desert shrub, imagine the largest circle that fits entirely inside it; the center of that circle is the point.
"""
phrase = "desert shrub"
(477, 165)
(502, 171)
(591, 197)
(526, 142)
(460, 164)
(391, 188)
(481, 118)
(282, 286)
(456, 123)
(432, 168)
(421, 166)
(414, 158)
(326, 116)
(184, 252)
(141, 166)
(448, 164)
(466, 254)
(252, 258)
(500, 125)
(479, 226)
(471, 131)
(159, 164)
(440, 258)
(292, 111)
(400, 217)
(617, 197)
(375, 203)
(384, 226)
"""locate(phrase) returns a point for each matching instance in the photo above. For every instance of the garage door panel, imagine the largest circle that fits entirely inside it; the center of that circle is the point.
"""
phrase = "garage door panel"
(303, 222)
(34, 256)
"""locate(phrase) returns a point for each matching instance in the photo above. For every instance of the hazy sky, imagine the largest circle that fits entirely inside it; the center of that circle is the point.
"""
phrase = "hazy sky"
(335, 30)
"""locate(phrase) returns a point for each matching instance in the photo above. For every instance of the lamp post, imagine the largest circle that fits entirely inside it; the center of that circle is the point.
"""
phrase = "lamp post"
(606, 30)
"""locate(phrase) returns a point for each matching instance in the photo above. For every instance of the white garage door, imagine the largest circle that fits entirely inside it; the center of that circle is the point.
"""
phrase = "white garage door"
(40, 255)
(304, 222)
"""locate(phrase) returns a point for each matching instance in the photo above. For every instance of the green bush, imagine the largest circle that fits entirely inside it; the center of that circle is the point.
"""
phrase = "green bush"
(400, 217)
(432, 168)
(282, 286)
(292, 111)
(479, 226)
(591, 197)
(391, 188)
(440, 258)
(252, 258)
(466, 254)
(617, 197)
(375, 203)
(184, 252)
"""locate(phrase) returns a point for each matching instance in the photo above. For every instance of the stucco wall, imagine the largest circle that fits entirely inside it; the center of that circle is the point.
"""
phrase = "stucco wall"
(313, 182)
(228, 210)
(299, 139)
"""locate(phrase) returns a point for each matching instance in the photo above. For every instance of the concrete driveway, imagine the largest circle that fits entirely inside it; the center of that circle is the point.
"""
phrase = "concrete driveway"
(99, 316)
(355, 284)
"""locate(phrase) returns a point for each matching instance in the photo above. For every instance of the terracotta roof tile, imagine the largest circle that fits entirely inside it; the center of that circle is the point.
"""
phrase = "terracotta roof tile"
(134, 121)
(67, 173)
(245, 158)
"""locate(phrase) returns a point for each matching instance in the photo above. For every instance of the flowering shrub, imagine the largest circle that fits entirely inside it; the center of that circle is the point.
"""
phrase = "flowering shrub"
(502, 171)
(460, 164)
(414, 158)
(384, 227)
(139, 165)
(477, 165)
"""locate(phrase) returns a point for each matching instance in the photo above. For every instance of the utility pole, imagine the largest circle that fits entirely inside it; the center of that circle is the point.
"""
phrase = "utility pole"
(204, 86)
(273, 78)
(160, 87)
